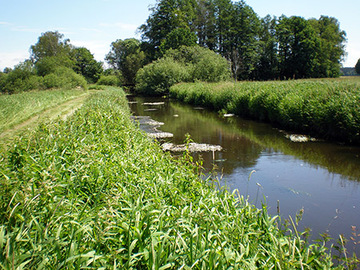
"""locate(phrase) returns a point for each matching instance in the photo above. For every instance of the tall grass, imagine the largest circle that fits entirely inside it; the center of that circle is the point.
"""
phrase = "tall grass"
(16, 108)
(94, 192)
(324, 108)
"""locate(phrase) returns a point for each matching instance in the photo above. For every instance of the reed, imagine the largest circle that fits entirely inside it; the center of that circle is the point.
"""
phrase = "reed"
(327, 108)
(93, 192)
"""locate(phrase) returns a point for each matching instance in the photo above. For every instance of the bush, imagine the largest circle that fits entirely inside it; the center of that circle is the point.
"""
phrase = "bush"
(157, 77)
(182, 65)
(22, 78)
(64, 78)
(111, 80)
(206, 65)
(70, 79)
(52, 81)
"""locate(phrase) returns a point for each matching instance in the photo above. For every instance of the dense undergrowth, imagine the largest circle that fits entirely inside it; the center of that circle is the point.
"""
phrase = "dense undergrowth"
(328, 109)
(93, 192)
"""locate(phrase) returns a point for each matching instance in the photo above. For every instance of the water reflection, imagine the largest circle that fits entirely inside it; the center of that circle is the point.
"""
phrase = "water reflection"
(319, 177)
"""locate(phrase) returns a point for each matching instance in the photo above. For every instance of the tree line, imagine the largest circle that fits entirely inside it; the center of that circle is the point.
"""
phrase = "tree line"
(256, 48)
(53, 63)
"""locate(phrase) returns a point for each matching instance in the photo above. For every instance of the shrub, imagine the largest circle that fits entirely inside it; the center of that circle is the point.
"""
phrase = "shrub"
(111, 80)
(157, 77)
(182, 65)
(22, 78)
(206, 65)
(52, 81)
(69, 78)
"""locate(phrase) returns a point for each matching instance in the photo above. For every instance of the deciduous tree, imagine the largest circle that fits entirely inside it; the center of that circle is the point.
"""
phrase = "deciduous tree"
(51, 44)
(127, 57)
(86, 65)
(357, 67)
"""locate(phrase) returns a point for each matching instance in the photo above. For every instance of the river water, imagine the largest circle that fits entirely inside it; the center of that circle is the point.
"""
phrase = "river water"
(321, 179)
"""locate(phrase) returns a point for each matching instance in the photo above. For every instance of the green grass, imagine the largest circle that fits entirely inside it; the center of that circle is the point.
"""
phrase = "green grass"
(17, 108)
(326, 108)
(93, 192)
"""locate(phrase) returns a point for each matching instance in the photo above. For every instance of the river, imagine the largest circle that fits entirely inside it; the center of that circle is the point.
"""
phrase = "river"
(318, 178)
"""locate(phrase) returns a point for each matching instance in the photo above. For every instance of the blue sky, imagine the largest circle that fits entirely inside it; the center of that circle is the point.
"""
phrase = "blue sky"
(94, 24)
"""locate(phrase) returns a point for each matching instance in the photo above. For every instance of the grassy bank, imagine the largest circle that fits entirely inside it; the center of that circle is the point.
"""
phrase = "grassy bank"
(16, 108)
(94, 192)
(323, 108)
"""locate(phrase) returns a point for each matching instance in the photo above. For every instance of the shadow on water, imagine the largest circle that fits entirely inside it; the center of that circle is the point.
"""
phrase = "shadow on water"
(319, 177)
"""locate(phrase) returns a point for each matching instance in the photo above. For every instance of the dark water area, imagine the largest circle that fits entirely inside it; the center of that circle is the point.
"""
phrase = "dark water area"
(318, 177)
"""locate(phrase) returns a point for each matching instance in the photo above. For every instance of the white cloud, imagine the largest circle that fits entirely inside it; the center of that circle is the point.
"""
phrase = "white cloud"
(353, 54)
(12, 59)
(98, 48)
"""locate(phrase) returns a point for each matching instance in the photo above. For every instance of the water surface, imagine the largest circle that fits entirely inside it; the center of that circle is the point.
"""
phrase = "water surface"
(319, 177)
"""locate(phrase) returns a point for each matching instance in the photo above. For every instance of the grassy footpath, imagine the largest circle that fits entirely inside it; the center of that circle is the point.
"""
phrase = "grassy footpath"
(323, 108)
(17, 108)
(93, 192)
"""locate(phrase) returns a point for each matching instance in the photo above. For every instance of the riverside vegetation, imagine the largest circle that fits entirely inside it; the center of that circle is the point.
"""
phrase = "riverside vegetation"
(95, 192)
(327, 108)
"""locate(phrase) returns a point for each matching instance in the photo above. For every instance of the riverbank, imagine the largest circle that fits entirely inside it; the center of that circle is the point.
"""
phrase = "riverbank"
(95, 191)
(327, 108)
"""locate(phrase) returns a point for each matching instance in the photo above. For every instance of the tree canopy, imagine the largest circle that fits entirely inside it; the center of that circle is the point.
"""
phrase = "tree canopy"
(53, 63)
(257, 48)
(357, 67)
(127, 57)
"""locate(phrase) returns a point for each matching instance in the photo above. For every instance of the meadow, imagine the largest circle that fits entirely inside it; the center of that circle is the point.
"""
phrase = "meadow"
(17, 108)
(323, 108)
(94, 192)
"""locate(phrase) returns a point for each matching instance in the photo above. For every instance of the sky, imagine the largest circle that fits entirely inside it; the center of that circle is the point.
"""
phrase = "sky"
(94, 24)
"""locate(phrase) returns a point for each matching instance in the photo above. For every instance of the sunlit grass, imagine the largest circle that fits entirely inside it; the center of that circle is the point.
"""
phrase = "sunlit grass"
(94, 192)
(16, 108)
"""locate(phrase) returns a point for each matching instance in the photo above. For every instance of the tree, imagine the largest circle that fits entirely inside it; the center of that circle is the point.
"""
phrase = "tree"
(127, 57)
(48, 64)
(51, 44)
(297, 43)
(267, 65)
(166, 16)
(205, 24)
(357, 67)
(50, 52)
(177, 38)
(330, 48)
(86, 65)
(240, 45)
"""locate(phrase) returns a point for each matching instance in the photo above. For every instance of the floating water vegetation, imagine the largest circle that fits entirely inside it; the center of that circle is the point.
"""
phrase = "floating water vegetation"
(150, 127)
(153, 103)
(191, 147)
(299, 138)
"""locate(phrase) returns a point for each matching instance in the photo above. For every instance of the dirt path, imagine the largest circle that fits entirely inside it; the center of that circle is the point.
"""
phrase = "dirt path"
(63, 111)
